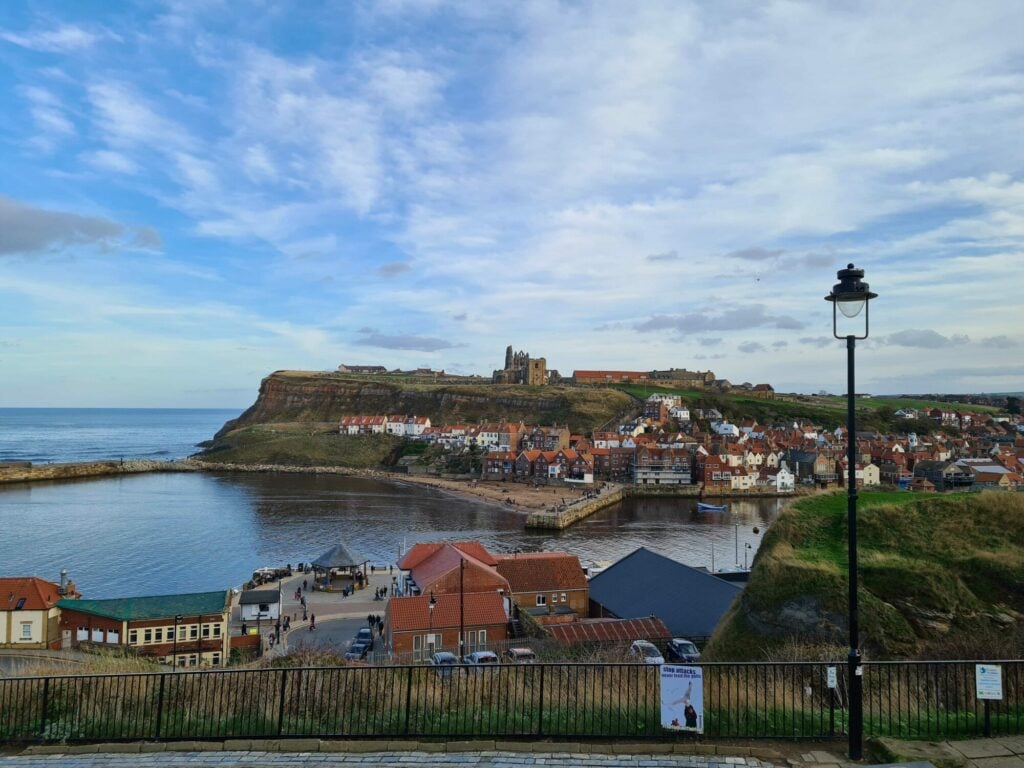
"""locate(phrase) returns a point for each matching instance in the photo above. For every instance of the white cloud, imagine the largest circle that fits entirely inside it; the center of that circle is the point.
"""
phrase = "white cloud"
(108, 160)
(66, 38)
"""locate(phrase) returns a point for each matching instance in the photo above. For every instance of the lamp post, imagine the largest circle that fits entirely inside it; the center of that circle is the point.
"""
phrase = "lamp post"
(430, 619)
(851, 295)
(746, 549)
(174, 653)
(462, 609)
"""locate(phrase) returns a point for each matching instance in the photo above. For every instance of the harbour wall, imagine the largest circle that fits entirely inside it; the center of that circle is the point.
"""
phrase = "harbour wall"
(26, 472)
(573, 513)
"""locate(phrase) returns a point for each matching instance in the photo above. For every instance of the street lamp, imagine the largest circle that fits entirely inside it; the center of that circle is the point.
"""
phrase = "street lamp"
(851, 295)
(174, 657)
(430, 614)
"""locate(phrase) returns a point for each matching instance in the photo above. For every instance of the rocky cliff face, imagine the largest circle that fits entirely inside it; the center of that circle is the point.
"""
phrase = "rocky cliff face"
(287, 396)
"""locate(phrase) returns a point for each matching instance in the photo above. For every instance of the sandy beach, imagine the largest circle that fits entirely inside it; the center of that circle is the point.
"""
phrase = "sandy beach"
(516, 496)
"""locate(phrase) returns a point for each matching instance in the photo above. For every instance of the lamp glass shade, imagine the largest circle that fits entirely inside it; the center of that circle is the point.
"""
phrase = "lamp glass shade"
(851, 308)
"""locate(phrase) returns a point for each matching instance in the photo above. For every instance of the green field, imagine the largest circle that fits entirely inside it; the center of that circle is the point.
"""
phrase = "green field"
(301, 445)
(934, 569)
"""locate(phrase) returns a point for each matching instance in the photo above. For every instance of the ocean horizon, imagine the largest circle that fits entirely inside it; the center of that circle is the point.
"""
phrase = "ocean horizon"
(59, 435)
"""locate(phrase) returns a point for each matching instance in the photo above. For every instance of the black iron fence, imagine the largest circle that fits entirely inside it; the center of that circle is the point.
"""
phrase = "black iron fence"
(762, 700)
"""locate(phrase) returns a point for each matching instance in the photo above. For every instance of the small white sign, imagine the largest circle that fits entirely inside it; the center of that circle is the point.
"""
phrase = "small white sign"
(988, 680)
(682, 698)
(832, 683)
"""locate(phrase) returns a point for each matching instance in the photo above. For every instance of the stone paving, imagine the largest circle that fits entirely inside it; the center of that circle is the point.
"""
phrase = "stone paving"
(497, 759)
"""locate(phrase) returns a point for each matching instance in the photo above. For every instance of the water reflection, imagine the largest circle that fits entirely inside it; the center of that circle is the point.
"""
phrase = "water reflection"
(150, 534)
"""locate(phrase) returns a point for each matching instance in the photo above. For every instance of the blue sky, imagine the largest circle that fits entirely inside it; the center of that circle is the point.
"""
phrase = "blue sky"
(197, 193)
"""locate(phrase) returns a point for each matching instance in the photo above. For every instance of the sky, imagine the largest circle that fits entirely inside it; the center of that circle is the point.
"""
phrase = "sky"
(196, 193)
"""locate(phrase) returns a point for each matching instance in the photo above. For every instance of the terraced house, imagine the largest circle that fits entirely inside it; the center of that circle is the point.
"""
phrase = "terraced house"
(184, 630)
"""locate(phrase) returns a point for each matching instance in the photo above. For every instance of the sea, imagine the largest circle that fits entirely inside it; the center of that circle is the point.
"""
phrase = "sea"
(162, 533)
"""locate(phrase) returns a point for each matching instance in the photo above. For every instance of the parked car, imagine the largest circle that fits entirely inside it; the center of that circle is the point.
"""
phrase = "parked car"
(364, 635)
(447, 664)
(358, 651)
(481, 659)
(681, 649)
(646, 652)
(519, 656)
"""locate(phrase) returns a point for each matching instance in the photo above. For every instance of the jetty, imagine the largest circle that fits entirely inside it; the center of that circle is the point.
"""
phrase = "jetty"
(28, 472)
(564, 516)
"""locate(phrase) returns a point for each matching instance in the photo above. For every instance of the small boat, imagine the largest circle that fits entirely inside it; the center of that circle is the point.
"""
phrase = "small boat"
(702, 507)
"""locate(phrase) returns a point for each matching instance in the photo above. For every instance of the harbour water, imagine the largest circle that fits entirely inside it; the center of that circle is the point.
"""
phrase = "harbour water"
(161, 533)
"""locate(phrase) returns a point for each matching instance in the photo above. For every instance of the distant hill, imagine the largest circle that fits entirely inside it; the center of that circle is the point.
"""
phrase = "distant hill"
(938, 574)
(295, 417)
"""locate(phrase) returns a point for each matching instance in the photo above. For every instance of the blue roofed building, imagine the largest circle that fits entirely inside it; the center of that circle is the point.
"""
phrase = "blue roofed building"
(690, 601)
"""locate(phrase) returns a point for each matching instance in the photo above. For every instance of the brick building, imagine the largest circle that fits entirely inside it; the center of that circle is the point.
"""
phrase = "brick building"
(411, 626)
(185, 630)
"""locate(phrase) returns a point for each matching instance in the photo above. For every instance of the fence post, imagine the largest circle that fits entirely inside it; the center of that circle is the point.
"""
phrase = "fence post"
(46, 703)
(540, 706)
(831, 711)
(408, 697)
(988, 721)
(160, 705)
(280, 702)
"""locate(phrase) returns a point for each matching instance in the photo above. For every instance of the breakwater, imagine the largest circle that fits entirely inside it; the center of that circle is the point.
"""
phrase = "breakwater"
(573, 513)
(26, 472)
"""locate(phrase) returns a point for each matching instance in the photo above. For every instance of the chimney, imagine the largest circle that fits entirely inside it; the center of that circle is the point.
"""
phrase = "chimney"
(63, 582)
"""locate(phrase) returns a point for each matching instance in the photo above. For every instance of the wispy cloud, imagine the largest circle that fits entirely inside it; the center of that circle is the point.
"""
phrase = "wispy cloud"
(925, 339)
(373, 338)
(30, 230)
(732, 319)
(65, 38)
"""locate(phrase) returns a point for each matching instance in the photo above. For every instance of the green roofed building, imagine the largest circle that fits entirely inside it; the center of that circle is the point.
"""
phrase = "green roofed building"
(185, 630)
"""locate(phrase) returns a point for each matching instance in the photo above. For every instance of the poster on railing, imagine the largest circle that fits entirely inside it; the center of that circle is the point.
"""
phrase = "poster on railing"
(682, 698)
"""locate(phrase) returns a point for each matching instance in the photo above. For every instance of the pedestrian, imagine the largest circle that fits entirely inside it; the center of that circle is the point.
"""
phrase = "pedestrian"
(373, 569)
(305, 585)
(369, 619)
(312, 622)
(302, 601)
(245, 628)
(277, 627)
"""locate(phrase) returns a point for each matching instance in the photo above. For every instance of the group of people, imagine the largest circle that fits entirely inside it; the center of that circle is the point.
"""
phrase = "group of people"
(376, 624)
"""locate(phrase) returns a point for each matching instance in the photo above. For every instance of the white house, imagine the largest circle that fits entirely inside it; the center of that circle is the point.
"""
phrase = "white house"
(785, 481)
(679, 413)
(725, 428)
(262, 604)
(415, 425)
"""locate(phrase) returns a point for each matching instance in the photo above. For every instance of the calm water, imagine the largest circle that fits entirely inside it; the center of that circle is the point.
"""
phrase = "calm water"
(160, 533)
(89, 434)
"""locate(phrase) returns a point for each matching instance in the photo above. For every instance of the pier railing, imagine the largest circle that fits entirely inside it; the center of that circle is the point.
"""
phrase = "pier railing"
(757, 700)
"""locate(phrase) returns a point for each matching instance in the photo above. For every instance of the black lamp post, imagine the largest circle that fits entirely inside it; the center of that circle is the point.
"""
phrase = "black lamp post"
(851, 295)
(430, 619)
(462, 610)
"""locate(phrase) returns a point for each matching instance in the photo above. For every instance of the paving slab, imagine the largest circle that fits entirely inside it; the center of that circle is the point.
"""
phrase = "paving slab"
(980, 748)
(1012, 761)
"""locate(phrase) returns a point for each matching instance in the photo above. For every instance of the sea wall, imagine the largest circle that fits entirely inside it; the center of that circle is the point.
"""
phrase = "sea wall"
(573, 513)
(25, 472)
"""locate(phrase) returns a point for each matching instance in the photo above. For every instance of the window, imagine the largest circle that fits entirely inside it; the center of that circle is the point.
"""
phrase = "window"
(193, 632)
(133, 636)
(542, 599)
(147, 636)
(481, 637)
(417, 652)
(215, 659)
(20, 605)
(26, 630)
(158, 634)
(216, 630)
(554, 598)
(206, 630)
(565, 598)
(181, 633)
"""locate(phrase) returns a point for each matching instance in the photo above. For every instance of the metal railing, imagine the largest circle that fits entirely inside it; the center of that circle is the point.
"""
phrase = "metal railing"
(560, 700)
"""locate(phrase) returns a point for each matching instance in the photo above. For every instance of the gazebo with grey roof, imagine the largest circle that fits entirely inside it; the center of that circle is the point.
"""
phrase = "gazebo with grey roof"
(339, 561)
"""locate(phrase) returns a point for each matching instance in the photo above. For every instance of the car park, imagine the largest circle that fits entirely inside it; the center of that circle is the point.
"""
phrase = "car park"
(681, 649)
(519, 656)
(647, 652)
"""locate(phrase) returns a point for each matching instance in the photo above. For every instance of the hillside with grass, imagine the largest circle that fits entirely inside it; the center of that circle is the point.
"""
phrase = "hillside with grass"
(828, 411)
(295, 417)
(940, 575)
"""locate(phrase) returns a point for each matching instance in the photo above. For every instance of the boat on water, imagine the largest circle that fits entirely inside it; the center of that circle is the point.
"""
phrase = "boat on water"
(702, 507)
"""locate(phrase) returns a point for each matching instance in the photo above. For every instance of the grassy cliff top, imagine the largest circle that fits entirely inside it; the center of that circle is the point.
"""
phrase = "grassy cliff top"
(933, 569)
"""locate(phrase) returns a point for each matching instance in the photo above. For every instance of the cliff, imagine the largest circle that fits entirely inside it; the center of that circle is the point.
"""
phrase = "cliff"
(940, 575)
(294, 420)
(302, 396)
